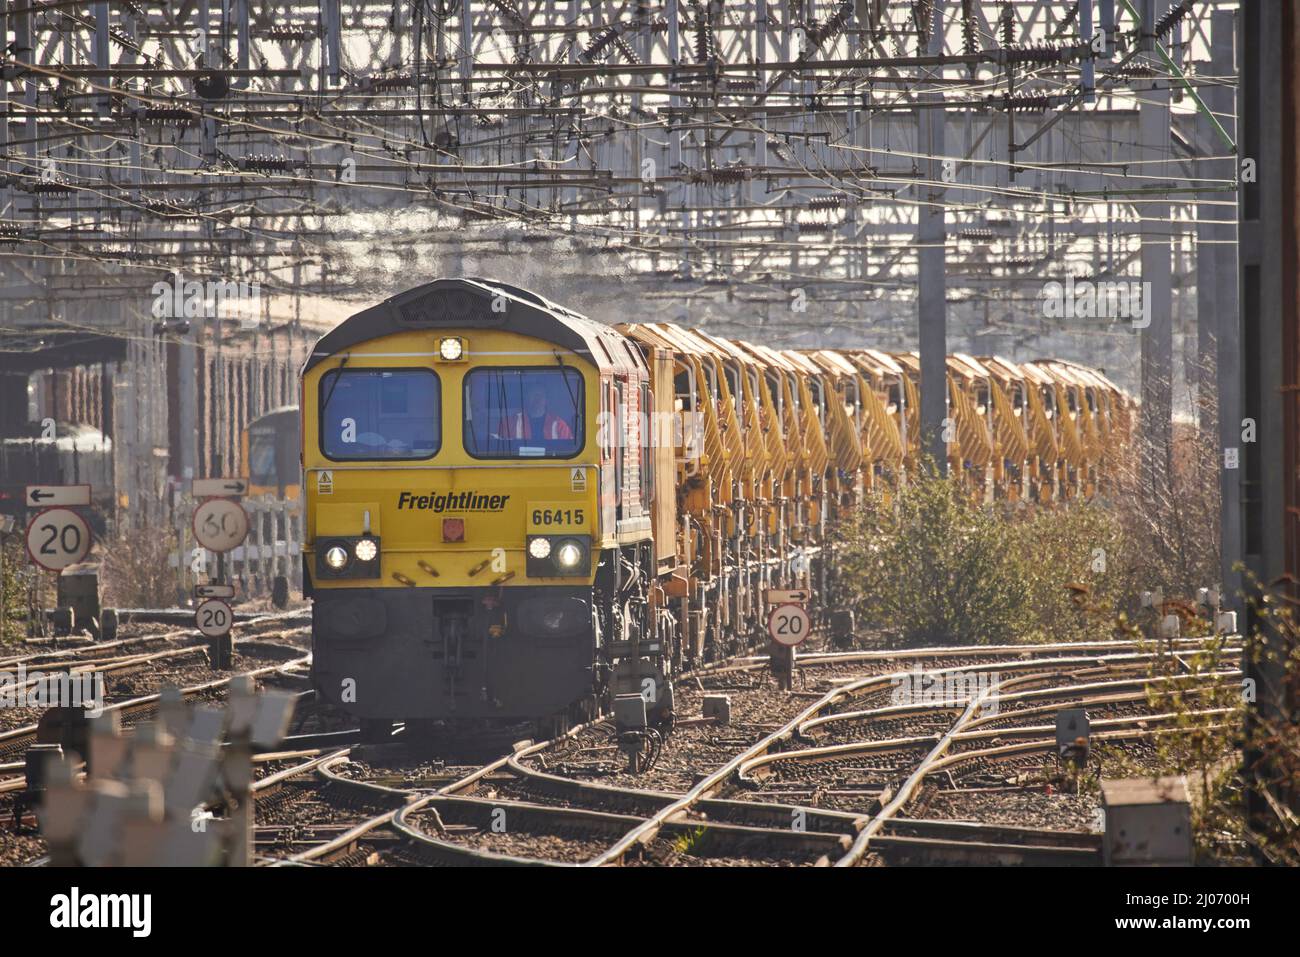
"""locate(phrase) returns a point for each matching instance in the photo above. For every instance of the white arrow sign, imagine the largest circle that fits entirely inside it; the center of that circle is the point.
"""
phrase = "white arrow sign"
(45, 496)
(218, 487)
(214, 591)
(780, 596)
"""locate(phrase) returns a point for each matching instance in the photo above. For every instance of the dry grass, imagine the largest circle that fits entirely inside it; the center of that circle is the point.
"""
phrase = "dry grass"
(134, 570)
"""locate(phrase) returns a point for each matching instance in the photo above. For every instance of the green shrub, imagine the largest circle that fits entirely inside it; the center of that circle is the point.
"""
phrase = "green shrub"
(933, 568)
(1076, 567)
(13, 596)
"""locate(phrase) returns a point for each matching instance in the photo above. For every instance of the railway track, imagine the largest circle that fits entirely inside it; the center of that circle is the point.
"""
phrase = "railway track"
(514, 812)
(564, 802)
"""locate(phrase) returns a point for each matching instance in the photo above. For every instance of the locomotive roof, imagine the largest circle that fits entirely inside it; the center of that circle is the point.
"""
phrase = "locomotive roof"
(460, 304)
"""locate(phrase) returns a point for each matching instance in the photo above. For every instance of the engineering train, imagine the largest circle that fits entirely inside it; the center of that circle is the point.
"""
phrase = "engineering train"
(514, 513)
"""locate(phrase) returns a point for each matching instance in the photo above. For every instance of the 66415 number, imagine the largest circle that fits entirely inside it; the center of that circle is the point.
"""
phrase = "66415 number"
(558, 516)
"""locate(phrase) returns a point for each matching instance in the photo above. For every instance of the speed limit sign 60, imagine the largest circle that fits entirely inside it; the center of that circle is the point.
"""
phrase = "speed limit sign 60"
(788, 624)
(57, 538)
(220, 524)
(213, 618)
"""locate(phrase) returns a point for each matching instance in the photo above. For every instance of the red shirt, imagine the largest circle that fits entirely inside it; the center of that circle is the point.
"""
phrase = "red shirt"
(520, 426)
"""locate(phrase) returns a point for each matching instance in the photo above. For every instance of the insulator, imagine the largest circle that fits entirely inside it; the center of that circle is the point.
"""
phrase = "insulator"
(170, 115)
(174, 211)
(1027, 103)
(833, 27)
(51, 186)
(399, 81)
(122, 38)
(969, 29)
(921, 12)
(705, 48)
(625, 48)
(829, 201)
(1070, 16)
(1133, 71)
(728, 174)
(262, 163)
(1007, 24)
(9, 233)
(119, 252)
(781, 149)
(977, 235)
(1043, 53)
(739, 85)
(286, 34)
(596, 46)
(816, 228)
(1175, 13)
(508, 11)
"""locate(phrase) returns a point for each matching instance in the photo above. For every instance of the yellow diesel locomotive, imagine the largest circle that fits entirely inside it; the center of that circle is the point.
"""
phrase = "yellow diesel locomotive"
(514, 513)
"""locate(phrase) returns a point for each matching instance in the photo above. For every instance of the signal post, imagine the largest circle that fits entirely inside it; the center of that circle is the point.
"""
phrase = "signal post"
(788, 626)
(220, 525)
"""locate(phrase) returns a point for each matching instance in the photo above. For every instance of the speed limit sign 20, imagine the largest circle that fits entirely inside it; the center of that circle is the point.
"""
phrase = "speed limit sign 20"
(220, 524)
(57, 538)
(788, 625)
(213, 618)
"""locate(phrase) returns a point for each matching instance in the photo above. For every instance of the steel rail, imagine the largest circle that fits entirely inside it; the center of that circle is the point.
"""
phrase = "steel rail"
(1061, 691)
(648, 829)
(941, 762)
(136, 704)
(830, 752)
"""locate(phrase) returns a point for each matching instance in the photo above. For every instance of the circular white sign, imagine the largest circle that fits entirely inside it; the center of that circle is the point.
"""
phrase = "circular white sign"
(57, 538)
(788, 624)
(220, 524)
(213, 618)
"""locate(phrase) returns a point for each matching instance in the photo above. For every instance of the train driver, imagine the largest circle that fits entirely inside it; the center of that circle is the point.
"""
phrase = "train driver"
(535, 421)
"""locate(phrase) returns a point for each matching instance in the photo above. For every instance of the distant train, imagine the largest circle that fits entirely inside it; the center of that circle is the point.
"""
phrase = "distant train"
(514, 513)
(75, 455)
(271, 446)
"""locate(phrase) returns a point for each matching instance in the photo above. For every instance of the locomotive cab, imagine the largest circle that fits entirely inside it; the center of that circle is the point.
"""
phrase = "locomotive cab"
(477, 516)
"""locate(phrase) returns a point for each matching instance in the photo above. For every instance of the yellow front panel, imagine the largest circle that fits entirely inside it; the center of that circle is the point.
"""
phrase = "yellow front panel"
(411, 502)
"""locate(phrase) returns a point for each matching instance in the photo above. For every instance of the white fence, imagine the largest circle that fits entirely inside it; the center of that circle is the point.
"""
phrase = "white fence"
(273, 548)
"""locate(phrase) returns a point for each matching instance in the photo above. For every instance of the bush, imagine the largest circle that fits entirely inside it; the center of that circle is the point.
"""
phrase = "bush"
(13, 593)
(934, 568)
(135, 570)
(1076, 567)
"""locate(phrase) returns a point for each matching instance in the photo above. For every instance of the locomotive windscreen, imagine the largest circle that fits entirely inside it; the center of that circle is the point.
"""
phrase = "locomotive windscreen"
(380, 414)
(523, 413)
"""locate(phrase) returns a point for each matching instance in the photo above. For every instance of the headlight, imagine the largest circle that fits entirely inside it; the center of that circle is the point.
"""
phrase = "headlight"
(557, 556)
(365, 550)
(569, 555)
(336, 557)
(451, 349)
